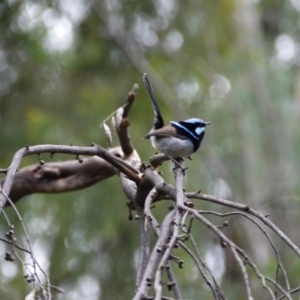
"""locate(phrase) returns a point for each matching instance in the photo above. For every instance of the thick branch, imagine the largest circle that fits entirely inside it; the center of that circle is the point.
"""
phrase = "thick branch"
(93, 150)
(59, 177)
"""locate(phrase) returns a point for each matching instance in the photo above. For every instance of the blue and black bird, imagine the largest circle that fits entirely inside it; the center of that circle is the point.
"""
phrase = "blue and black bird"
(177, 139)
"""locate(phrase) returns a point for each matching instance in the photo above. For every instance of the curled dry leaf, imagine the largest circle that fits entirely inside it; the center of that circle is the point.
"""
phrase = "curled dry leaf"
(113, 126)
(108, 135)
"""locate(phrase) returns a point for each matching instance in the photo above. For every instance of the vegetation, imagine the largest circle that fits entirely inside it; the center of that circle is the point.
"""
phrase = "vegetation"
(66, 65)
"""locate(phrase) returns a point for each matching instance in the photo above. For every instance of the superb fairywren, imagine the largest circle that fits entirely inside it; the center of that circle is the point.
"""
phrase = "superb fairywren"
(177, 139)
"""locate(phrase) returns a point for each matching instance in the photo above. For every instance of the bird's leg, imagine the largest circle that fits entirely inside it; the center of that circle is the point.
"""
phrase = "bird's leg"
(174, 161)
(177, 161)
(189, 157)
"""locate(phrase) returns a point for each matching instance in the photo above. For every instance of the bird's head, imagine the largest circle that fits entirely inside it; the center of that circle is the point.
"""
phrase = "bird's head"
(193, 127)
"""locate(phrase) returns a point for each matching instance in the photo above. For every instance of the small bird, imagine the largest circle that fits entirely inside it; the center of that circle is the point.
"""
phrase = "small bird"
(177, 139)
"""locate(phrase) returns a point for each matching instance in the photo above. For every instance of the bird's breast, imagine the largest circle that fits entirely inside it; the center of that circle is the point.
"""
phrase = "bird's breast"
(172, 146)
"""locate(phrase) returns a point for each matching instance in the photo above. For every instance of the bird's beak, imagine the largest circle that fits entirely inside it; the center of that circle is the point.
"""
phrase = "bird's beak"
(207, 123)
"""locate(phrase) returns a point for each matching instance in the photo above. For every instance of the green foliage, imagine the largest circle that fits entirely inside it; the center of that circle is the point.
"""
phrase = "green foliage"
(211, 62)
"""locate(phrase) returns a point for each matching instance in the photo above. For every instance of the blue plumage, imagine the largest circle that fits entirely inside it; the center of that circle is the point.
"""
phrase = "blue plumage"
(177, 139)
(186, 129)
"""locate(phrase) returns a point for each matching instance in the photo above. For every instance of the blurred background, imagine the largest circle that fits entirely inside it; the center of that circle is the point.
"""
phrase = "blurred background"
(66, 65)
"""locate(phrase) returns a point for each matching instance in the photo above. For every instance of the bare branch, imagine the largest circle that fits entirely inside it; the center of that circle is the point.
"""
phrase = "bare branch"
(154, 258)
(157, 160)
(203, 268)
(243, 269)
(59, 177)
(249, 210)
(35, 263)
(93, 150)
(122, 124)
(279, 263)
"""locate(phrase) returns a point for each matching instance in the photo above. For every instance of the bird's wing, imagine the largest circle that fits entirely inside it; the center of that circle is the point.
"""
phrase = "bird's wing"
(166, 131)
(158, 120)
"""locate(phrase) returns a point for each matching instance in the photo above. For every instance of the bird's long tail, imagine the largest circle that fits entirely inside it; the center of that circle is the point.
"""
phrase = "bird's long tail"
(158, 120)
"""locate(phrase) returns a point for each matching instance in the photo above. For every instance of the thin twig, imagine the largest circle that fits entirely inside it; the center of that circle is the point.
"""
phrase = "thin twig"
(279, 263)
(243, 269)
(15, 245)
(34, 261)
(199, 264)
(250, 211)
(240, 251)
(154, 257)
